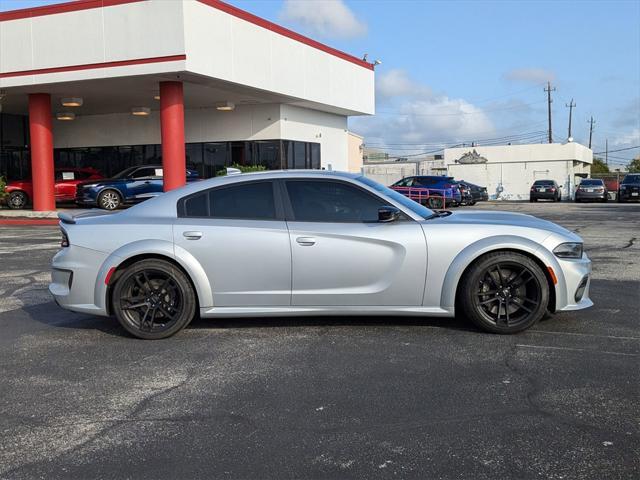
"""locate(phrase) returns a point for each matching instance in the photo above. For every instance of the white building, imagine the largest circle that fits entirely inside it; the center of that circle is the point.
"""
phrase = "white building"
(508, 171)
(153, 75)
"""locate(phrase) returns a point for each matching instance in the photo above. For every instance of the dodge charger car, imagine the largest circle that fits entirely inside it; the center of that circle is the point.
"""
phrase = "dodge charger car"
(132, 185)
(312, 243)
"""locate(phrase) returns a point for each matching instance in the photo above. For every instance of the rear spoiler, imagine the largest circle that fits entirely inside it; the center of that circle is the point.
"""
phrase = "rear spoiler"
(72, 217)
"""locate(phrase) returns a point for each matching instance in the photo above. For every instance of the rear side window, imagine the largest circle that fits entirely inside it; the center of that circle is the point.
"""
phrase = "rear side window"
(326, 201)
(248, 201)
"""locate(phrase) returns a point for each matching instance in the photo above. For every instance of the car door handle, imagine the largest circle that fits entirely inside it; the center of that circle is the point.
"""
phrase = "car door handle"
(306, 241)
(192, 235)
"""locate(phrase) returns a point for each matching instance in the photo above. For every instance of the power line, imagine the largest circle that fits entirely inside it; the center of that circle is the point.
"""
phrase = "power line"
(453, 114)
(618, 150)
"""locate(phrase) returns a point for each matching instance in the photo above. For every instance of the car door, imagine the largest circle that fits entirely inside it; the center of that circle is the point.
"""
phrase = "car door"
(146, 182)
(238, 234)
(342, 255)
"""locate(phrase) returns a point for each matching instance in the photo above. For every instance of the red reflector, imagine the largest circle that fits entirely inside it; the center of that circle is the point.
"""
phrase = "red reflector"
(113, 269)
(553, 275)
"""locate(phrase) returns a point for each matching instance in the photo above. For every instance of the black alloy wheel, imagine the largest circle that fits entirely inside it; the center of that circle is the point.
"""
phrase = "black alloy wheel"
(17, 200)
(153, 299)
(504, 292)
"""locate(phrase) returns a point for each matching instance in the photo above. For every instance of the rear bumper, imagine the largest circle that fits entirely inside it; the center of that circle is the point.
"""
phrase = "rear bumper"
(591, 196)
(629, 195)
(544, 195)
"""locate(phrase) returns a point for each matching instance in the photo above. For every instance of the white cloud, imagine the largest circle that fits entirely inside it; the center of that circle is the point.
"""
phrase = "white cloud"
(326, 18)
(410, 112)
(529, 75)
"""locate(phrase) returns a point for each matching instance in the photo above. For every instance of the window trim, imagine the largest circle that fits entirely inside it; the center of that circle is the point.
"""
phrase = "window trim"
(288, 208)
(277, 201)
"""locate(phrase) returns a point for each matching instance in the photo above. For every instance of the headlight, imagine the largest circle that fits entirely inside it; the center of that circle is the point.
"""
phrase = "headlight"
(90, 185)
(568, 250)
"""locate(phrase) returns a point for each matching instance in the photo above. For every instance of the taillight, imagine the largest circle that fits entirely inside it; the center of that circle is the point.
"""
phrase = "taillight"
(64, 241)
(553, 189)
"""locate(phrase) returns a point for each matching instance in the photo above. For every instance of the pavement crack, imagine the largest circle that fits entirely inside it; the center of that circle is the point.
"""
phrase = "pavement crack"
(631, 242)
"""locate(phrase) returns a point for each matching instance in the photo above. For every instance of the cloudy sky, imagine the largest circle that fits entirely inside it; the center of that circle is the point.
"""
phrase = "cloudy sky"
(462, 71)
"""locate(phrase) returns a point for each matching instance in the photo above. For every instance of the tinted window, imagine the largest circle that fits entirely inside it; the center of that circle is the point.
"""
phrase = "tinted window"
(326, 201)
(591, 182)
(147, 172)
(197, 205)
(397, 197)
(245, 200)
(631, 179)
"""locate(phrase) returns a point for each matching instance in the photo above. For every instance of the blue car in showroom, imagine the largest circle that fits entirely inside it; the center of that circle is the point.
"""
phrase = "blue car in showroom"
(132, 185)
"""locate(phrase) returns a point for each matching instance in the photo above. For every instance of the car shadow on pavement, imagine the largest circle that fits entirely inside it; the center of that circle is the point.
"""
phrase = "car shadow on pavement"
(51, 315)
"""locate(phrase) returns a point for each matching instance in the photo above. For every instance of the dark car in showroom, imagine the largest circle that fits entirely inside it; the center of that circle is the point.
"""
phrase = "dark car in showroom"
(478, 193)
(629, 188)
(434, 191)
(132, 185)
(592, 189)
(545, 190)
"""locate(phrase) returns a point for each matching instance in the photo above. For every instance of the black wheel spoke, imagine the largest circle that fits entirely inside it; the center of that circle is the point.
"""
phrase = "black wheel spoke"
(521, 305)
(506, 311)
(491, 300)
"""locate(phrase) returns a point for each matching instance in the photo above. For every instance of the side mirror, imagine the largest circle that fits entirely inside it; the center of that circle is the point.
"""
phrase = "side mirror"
(388, 214)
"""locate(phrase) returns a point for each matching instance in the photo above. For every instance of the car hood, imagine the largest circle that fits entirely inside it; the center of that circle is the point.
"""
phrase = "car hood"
(480, 217)
(101, 181)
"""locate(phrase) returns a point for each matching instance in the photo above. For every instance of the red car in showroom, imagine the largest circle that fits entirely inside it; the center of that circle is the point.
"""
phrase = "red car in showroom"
(20, 192)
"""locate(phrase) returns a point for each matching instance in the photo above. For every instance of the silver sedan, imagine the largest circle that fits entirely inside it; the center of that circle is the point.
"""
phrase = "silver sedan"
(312, 243)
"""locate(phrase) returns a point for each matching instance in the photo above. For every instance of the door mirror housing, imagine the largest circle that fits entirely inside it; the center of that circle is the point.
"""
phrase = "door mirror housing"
(388, 214)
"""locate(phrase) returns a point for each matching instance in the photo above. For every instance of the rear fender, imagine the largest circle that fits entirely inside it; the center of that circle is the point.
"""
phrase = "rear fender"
(161, 248)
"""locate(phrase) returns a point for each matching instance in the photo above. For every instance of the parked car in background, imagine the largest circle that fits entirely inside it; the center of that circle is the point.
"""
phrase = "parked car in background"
(591, 189)
(132, 185)
(20, 192)
(326, 243)
(545, 190)
(465, 193)
(430, 190)
(479, 193)
(629, 188)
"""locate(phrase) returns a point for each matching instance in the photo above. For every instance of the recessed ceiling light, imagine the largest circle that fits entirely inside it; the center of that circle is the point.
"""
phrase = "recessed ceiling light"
(140, 111)
(66, 116)
(225, 106)
(72, 102)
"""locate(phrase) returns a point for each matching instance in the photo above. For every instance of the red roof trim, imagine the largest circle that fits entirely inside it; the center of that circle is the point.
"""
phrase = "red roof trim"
(217, 4)
(90, 66)
(60, 8)
(261, 22)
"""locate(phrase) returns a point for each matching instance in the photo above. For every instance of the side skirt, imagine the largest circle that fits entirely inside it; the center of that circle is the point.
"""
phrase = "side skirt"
(301, 311)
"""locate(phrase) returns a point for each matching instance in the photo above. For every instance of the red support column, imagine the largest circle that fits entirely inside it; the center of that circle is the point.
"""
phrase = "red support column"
(42, 176)
(172, 129)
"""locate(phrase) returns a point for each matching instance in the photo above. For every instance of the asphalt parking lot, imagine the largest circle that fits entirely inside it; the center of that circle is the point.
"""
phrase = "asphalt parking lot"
(326, 397)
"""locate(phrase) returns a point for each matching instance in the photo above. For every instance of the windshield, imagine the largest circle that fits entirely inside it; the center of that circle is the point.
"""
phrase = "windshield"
(415, 207)
(125, 173)
(631, 179)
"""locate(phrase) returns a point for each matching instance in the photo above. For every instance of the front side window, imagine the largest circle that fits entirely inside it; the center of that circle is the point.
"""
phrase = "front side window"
(330, 201)
(148, 172)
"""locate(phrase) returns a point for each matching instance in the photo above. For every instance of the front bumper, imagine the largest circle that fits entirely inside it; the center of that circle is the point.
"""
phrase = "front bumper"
(576, 275)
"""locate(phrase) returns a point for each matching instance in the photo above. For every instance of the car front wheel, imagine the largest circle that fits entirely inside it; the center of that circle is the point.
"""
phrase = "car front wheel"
(153, 299)
(17, 200)
(504, 292)
(109, 200)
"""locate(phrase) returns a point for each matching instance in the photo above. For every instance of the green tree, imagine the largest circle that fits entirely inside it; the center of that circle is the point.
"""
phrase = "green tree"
(599, 166)
(634, 165)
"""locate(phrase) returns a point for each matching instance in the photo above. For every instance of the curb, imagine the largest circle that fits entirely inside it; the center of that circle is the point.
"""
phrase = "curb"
(28, 221)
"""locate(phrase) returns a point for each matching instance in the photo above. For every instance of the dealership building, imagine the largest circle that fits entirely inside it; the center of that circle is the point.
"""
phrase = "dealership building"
(184, 83)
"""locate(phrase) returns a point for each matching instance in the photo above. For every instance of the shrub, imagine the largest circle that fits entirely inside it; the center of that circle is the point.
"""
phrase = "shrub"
(243, 169)
(3, 183)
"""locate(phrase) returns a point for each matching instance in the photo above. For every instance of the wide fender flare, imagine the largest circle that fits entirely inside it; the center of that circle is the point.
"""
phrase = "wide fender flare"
(164, 248)
(489, 244)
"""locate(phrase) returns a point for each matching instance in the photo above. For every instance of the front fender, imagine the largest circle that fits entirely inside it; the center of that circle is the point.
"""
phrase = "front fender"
(162, 248)
(499, 242)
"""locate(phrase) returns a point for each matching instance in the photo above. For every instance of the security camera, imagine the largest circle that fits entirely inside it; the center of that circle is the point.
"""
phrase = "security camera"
(377, 62)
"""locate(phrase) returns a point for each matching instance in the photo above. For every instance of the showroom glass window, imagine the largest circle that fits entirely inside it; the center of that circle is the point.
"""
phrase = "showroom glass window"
(331, 201)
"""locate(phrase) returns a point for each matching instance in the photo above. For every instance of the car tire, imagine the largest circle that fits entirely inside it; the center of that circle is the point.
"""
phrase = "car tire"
(17, 200)
(109, 199)
(153, 299)
(436, 202)
(507, 281)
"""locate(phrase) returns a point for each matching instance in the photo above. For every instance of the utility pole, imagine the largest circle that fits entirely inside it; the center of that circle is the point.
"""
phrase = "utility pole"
(549, 90)
(591, 122)
(571, 105)
(606, 151)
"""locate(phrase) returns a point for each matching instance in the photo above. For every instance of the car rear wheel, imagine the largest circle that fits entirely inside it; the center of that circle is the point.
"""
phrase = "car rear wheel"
(436, 202)
(109, 200)
(17, 200)
(153, 299)
(504, 292)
